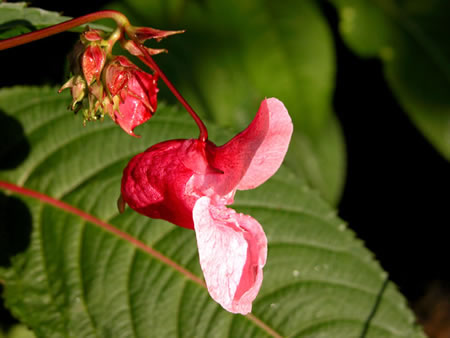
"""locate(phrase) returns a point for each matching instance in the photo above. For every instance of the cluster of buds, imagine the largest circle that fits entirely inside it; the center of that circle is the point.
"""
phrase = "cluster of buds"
(103, 83)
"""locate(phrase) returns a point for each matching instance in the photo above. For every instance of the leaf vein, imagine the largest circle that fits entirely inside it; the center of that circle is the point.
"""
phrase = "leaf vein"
(332, 283)
(128, 285)
(44, 263)
(80, 276)
(322, 247)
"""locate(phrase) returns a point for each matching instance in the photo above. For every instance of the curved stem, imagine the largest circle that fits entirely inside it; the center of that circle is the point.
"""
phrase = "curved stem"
(148, 60)
(118, 17)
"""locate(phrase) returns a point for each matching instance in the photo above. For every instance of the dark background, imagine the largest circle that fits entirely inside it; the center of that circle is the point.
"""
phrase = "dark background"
(396, 191)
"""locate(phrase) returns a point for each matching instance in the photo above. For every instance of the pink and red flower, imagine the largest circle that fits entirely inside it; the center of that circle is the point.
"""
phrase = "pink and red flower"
(190, 183)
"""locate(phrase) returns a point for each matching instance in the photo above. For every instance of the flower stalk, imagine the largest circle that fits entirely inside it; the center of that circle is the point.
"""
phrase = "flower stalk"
(148, 60)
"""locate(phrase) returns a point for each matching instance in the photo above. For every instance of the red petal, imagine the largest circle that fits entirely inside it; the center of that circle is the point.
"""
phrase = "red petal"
(132, 113)
(232, 249)
(154, 183)
(139, 102)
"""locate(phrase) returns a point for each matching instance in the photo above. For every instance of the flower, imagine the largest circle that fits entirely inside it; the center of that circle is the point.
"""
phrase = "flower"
(190, 183)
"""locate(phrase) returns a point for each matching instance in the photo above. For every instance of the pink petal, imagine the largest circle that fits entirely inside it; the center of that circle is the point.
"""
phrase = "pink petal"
(255, 154)
(271, 152)
(232, 249)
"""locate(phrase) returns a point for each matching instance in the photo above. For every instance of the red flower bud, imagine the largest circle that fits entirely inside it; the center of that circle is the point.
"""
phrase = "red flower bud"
(92, 62)
(134, 90)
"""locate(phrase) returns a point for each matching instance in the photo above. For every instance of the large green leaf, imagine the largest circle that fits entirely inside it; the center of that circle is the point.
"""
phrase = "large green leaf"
(236, 52)
(411, 38)
(79, 278)
(17, 18)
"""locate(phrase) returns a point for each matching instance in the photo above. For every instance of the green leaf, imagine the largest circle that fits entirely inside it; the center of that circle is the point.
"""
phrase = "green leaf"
(37, 17)
(235, 53)
(411, 38)
(79, 278)
(17, 18)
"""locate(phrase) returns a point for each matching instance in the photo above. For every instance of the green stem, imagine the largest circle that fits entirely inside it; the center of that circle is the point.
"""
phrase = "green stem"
(118, 17)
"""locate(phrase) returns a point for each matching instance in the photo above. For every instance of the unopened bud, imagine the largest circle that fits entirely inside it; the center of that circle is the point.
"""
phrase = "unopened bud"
(134, 90)
(92, 63)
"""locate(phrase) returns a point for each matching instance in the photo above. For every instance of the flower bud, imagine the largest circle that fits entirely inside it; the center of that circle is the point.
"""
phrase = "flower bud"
(92, 63)
(133, 93)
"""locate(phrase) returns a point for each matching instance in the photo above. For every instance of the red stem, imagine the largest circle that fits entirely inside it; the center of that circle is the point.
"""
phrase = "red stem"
(148, 60)
(118, 17)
